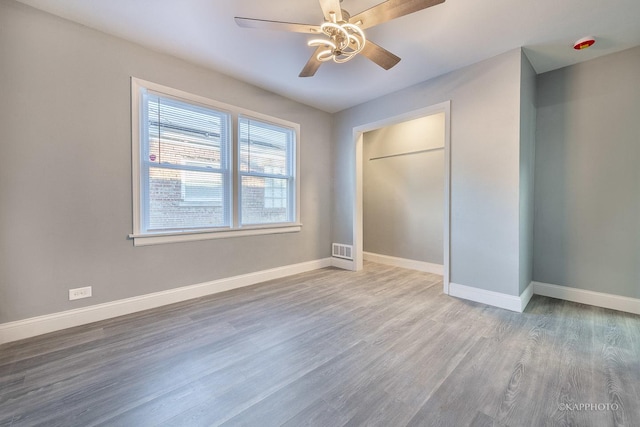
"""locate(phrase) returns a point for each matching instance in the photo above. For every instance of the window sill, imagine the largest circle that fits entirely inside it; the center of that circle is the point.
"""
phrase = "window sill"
(190, 236)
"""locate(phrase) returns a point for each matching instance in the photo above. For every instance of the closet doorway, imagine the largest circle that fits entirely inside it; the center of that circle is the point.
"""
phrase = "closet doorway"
(403, 191)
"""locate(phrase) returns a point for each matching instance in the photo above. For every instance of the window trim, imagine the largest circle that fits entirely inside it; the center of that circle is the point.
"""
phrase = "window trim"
(235, 229)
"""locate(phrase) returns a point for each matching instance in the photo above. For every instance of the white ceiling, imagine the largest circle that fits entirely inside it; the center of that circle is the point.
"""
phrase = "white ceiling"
(431, 42)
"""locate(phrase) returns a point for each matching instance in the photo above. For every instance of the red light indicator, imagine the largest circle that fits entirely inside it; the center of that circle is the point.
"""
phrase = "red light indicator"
(584, 43)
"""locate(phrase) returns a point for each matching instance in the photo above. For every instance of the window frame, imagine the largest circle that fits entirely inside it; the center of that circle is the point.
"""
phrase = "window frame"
(288, 177)
(235, 229)
(224, 169)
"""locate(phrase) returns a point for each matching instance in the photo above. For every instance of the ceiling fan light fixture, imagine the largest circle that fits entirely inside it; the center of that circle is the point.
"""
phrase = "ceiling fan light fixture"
(325, 55)
(345, 36)
(322, 42)
(345, 41)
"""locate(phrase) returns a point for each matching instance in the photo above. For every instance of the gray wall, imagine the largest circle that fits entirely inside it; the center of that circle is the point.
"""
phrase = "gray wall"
(485, 162)
(527, 161)
(404, 195)
(587, 185)
(65, 171)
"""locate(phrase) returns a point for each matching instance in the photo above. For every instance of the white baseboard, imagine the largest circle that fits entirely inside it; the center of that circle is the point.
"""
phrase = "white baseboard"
(526, 296)
(27, 328)
(598, 299)
(427, 267)
(345, 264)
(496, 299)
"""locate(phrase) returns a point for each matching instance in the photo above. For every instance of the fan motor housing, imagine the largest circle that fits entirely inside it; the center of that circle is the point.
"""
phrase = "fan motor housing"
(345, 16)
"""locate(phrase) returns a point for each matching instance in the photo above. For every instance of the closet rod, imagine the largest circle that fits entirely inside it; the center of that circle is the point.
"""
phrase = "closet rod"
(406, 154)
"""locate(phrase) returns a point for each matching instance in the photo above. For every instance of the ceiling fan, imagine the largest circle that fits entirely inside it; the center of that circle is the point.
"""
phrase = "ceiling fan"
(344, 35)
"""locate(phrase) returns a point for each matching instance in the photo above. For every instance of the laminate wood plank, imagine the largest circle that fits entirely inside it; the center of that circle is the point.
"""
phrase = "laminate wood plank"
(284, 403)
(619, 360)
(347, 335)
(385, 411)
(259, 370)
(74, 357)
(490, 379)
(129, 356)
(93, 358)
(288, 358)
(178, 371)
(255, 309)
(295, 396)
(358, 393)
(477, 382)
(518, 398)
(247, 394)
(351, 410)
(426, 363)
(566, 370)
(36, 346)
(6, 422)
(483, 420)
(573, 371)
(382, 346)
(550, 359)
(318, 413)
(525, 336)
(136, 332)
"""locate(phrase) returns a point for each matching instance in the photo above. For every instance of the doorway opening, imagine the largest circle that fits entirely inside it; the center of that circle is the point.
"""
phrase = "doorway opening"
(379, 153)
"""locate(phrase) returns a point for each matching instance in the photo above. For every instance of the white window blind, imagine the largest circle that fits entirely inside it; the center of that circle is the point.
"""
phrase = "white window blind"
(266, 169)
(184, 165)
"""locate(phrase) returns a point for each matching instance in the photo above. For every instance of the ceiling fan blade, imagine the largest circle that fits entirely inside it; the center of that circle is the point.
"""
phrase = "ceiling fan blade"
(329, 7)
(264, 24)
(312, 64)
(379, 55)
(389, 10)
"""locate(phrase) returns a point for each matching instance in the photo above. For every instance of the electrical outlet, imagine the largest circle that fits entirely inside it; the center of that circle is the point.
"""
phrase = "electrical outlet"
(79, 293)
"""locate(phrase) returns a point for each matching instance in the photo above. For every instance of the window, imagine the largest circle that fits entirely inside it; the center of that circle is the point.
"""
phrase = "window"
(185, 185)
(266, 172)
(184, 165)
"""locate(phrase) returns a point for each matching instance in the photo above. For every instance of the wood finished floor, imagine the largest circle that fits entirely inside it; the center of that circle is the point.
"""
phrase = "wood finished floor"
(381, 347)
